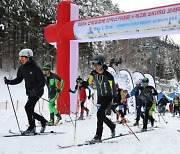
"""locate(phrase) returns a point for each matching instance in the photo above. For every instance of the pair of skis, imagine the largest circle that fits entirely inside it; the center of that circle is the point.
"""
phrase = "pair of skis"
(105, 140)
(13, 134)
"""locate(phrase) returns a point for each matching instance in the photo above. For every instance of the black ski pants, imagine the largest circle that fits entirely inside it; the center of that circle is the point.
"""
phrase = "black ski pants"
(29, 107)
(104, 101)
(146, 118)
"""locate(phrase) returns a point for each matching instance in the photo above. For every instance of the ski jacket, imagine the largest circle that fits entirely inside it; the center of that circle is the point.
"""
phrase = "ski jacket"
(176, 102)
(82, 91)
(146, 96)
(136, 92)
(54, 84)
(32, 75)
(163, 101)
(104, 83)
(120, 97)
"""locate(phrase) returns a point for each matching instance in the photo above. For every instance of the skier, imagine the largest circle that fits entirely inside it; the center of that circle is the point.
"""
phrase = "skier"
(146, 96)
(118, 102)
(136, 92)
(81, 87)
(106, 91)
(162, 105)
(125, 103)
(55, 85)
(34, 83)
(176, 103)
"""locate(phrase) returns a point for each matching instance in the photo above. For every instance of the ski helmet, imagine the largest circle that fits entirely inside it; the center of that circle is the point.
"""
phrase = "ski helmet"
(98, 59)
(79, 80)
(47, 67)
(145, 80)
(26, 53)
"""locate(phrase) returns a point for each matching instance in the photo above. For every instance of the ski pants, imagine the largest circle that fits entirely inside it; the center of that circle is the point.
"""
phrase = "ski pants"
(104, 101)
(51, 104)
(83, 107)
(176, 110)
(29, 108)
(146, 118)
(139, 113)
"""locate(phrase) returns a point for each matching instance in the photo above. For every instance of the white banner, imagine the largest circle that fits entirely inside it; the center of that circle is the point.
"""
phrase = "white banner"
(137, 76)
(143, 23)
(124, 79)
(111, 70)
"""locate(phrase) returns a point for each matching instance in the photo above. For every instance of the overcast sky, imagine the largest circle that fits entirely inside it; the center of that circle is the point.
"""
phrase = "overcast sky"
(131, 5)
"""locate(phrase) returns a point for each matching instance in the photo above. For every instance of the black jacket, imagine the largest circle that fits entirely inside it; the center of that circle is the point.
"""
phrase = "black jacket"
(33, 76)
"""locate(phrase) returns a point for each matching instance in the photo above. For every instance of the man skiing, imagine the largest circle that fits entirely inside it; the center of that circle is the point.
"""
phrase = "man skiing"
(162, 105)
(81, 87)
(55, 85)
(34, 83)
(136, 92)
(106, 91)
(146, 96)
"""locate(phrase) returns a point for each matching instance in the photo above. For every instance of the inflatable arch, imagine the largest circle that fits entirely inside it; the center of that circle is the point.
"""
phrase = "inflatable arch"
(69, 31)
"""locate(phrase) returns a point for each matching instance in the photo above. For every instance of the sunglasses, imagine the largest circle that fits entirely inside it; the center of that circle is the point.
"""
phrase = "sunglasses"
(22, 58)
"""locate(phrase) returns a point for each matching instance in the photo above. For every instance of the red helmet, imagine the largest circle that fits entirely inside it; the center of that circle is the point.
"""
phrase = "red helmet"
(116, 85)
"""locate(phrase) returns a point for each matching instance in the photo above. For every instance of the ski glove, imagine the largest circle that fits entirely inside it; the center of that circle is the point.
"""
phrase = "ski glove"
(32, 93)
(71, 91)
(6, 81)
(98, 106)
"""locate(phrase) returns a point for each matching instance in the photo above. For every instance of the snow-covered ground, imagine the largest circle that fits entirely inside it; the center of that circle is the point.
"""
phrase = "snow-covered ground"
(162, 140)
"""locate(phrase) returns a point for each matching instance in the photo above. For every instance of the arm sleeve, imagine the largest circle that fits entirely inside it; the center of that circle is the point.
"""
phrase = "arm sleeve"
(59, 83)
(18, 79)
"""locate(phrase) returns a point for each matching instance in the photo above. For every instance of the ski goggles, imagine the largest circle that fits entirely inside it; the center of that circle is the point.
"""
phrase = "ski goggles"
(22, 58)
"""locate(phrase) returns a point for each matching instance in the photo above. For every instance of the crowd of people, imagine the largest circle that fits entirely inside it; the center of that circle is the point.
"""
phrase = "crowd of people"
(109, 95)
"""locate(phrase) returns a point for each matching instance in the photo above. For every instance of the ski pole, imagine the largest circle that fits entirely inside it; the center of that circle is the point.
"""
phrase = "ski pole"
(64, 105)
(66, 109)
(163, 118)
(127, 125)
(14, 109)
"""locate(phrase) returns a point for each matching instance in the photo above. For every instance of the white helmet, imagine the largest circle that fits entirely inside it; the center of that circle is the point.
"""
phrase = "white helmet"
(26, 53)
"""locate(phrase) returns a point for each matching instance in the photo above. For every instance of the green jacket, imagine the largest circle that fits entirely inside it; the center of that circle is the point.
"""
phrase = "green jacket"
(54, 84)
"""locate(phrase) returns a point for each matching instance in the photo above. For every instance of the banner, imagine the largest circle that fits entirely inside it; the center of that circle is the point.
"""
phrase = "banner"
(143, 23)
(124, 79)
(137, 76)
(111, 70)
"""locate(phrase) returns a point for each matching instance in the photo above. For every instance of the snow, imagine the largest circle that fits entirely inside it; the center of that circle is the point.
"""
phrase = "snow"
(164, 139)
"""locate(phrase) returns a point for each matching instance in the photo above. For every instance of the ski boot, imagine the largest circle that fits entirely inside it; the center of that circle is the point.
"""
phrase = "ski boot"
(87, 112)
(29, 131)
(81, 117)
(43, 126)
(58, 118)
(95, 140)
(136, 123)
(143, 129)
(113, 132)
(51, 122)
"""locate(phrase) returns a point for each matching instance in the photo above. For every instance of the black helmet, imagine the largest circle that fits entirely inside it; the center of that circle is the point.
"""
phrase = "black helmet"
(145, 80)
(98, 59)
(79, 80)
(47, 67)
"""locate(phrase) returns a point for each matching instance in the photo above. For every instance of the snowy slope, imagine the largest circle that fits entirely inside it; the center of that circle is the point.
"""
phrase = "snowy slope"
(163, 140)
